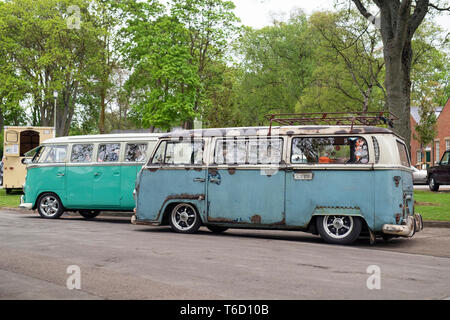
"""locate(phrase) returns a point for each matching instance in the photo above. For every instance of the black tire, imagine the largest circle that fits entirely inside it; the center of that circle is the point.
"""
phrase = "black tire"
(432, 184)
(217, 229)
(89, 214)
(339, 229)
(184, 218)
(49, 206)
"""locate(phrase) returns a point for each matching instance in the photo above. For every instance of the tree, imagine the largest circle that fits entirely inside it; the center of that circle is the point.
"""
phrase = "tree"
(211, 24)
(50, 46)
(348, 70)
(398, 23)
(164, 82)
(276, 67)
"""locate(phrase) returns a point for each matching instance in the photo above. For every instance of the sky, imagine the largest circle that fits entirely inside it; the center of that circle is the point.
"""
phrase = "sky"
(260, 13)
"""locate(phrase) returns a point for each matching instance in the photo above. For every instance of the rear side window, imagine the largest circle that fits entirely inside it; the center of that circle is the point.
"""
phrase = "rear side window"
(330, 150)
(53, 154)
(404, 159)
(82, 153)
(376, 148)
(135, 152)
(108, 152)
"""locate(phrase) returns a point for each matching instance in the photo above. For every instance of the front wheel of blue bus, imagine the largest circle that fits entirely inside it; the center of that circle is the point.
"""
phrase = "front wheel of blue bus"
(49, 206)
(184, 218)
(339, 229)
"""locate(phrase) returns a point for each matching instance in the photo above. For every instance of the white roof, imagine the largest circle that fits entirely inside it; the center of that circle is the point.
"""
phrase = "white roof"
(105, 137)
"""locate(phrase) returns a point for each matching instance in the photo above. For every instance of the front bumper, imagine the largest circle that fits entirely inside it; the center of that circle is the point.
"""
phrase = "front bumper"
(410, 226)
(24, 205)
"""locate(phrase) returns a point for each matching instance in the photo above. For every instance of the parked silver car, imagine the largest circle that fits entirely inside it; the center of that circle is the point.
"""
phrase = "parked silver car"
(419, 176)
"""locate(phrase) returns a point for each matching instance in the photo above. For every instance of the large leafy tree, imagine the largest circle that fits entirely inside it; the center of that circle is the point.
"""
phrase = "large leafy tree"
(51, 46)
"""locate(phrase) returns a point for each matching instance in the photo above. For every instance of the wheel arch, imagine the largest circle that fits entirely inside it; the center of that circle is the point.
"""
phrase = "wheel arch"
(39, 195)
(168, 207)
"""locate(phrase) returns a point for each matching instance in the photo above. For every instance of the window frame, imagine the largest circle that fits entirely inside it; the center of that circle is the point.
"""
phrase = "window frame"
(127, 143)
(42, 150)
(94, 146)
(328, 164)
(398, 142)
(248, 139)
(149, 162)
(105, 143)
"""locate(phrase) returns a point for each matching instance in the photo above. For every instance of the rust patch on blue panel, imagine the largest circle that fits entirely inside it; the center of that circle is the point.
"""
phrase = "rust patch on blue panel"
(256, 219)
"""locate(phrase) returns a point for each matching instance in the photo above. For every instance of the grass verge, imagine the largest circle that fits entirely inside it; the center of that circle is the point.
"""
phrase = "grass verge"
(9, 200)
(434, 206)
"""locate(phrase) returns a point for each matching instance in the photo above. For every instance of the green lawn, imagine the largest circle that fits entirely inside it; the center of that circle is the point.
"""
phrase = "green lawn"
(433, 205)
(9, 200)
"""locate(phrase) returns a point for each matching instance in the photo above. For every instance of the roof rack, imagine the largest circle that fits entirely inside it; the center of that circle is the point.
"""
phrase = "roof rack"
(371, 118)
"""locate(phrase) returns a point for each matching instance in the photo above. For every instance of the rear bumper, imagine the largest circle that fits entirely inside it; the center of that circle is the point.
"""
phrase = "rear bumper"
(24, 205)
(410, 226)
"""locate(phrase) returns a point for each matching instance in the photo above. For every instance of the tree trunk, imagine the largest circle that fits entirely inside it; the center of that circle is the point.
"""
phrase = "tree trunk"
(398, 91)
(101, 125)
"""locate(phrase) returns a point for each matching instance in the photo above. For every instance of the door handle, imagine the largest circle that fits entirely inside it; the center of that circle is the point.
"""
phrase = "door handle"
(199, 180)
(97, 174)
(60, 174)
(214, 180)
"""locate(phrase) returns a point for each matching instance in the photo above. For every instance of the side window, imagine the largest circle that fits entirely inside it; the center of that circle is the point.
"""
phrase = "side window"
(446, 158)
(335, 150)
(376, 148)
(135, 152)
(248, 151)
(82, 153)
(179, 152)
(54, 154)
(403, 154)
(108, 152)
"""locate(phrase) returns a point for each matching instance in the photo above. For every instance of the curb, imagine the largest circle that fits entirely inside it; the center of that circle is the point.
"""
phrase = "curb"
(436, 224)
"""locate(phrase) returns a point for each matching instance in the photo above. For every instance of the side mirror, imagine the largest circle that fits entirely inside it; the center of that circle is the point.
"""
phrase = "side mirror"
(26, 161)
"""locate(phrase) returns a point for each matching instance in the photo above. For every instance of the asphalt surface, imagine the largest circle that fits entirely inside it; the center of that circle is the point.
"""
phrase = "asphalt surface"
(121, 261)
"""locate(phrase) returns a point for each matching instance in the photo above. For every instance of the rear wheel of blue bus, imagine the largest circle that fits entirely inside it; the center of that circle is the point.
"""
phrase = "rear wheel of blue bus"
(49, 206)
(339, 229)
(184, 218)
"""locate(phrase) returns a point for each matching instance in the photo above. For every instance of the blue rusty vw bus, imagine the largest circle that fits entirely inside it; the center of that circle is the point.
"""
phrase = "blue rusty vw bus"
(87, 174)
(335, 181)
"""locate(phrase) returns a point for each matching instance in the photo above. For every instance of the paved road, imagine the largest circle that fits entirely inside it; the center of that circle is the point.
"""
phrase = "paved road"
(122, 261)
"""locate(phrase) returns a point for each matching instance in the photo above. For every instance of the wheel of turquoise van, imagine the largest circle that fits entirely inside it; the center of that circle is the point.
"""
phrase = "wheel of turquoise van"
(217, 229)
(432, 184)
(49, 206)
(339, 229)
(89, 214)
(184, 219)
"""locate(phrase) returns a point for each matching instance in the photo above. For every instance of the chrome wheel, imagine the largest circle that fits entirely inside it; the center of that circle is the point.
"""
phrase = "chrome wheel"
(184, 218)
(338, 227)
(50, 206)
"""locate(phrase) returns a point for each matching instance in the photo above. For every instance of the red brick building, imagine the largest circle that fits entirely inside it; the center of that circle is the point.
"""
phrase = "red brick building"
(434, 151)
